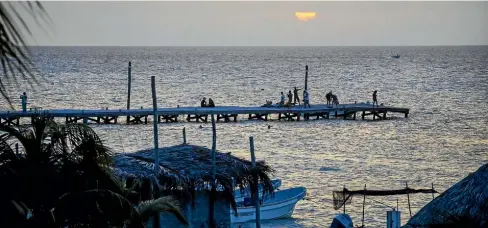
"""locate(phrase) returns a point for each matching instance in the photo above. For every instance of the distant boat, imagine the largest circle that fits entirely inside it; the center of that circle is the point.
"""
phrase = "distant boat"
(281, 205)
(396, 56)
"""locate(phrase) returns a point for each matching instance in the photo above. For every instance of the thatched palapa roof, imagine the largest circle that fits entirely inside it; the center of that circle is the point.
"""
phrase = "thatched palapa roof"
(466, 203)
(186, 168)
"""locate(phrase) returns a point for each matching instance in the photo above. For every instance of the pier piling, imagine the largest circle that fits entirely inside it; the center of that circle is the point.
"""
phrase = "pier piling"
(128, 89)
(255, 186)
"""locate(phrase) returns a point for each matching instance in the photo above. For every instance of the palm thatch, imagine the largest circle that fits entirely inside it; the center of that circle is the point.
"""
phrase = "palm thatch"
(188, 168)
(15, 57)
(465, 204)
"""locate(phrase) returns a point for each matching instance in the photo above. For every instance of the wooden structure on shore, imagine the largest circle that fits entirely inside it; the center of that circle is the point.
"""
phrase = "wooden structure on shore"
(199, 114)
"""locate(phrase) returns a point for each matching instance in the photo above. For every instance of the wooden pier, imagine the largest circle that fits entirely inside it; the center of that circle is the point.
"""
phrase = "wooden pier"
(201, 114)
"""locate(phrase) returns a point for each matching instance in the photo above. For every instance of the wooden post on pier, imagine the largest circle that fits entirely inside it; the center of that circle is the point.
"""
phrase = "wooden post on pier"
(155, 124)
(255, 186)
(128, 90)
(213, 192)
(156, 138)
(306, 77)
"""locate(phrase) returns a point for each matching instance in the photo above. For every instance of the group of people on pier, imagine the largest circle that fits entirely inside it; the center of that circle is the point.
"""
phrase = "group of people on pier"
(293, 98)
(332, 99)
(210, 104)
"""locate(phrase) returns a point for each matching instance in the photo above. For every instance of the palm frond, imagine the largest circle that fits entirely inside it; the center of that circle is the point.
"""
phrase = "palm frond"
(169, 204)
(15, 57)
(96, 208)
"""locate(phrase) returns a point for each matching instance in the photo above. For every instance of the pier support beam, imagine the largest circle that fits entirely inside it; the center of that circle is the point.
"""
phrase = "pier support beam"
(197, 117)
(289, 116)
(10, 121)
(168, 118)
(226, 117)
(138, 119)
(317, 115)
(258, 116)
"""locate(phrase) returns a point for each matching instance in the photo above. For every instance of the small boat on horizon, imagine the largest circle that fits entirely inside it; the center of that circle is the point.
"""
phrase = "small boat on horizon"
(396, 56)
(280, 205)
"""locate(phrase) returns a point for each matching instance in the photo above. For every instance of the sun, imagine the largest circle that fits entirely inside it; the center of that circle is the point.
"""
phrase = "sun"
(305, 16)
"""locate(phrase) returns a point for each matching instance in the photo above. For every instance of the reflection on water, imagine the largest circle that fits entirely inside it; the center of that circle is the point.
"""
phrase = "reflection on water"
(443, 139)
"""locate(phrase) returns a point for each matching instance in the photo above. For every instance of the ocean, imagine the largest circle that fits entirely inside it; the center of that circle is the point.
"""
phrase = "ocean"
(443, 140)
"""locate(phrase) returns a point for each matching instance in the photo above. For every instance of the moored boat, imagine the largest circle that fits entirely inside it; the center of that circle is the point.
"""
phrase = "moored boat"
(281, 205)
(240, 195)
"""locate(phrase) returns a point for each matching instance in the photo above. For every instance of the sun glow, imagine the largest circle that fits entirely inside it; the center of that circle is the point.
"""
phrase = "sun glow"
(305, 16)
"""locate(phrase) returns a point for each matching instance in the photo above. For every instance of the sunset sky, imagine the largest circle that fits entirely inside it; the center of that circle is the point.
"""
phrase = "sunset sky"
(264, 23)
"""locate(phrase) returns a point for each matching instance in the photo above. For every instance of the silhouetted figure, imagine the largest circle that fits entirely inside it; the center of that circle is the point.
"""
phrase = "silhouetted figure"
(23, 97)
(328, 96)
(269, 126)
(375, 100)
(335, 100)
(295, 95)
(204, 102)
(282, 102)
(210, 103)
(290, 97)
(306, 99)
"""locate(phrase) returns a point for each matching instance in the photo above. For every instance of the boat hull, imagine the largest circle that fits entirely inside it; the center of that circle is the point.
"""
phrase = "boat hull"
(281, 206)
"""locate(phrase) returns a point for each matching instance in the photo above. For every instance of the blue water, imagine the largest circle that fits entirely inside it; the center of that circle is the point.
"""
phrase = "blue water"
(444, 138)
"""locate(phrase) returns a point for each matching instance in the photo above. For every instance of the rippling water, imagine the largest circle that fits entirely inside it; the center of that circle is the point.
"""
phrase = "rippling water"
(444, 138)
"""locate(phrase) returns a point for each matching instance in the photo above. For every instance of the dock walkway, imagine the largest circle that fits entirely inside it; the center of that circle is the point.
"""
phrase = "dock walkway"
(200, 114)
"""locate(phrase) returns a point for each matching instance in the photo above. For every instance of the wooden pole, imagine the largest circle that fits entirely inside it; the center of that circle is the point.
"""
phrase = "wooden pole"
(255, 186)
(184, 135)
(345, 198)
(408, 199)
(156, 139)
(306, 77)
(155, 125)
(364, 203)
(128, 89)
(433, 191)
(214, 172)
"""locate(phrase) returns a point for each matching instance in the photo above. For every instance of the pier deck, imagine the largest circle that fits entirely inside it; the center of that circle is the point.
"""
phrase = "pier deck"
(200, 114)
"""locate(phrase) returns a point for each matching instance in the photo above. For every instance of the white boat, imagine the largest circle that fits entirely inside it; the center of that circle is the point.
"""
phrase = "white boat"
(240, 195)
(281, 205)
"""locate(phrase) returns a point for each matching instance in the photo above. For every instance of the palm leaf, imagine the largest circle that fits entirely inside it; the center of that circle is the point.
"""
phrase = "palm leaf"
(150, 208)
(15, 57)
(96, 208)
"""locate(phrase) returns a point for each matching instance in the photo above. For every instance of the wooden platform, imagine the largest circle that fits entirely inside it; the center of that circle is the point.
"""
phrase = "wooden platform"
(199, 114)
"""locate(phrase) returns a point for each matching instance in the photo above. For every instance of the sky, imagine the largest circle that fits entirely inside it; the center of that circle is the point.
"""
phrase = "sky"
(262, 24)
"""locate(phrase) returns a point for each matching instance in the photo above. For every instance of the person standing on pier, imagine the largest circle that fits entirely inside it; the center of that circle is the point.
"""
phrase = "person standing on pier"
(328, 96)
(282, 102)
(306, 101)
(335, 100)
(375, 100)
(295, 95)
(290, 97)
(23, 97)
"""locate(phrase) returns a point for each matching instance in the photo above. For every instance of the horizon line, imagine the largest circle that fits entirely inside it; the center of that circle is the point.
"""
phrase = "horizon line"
(422, 45)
